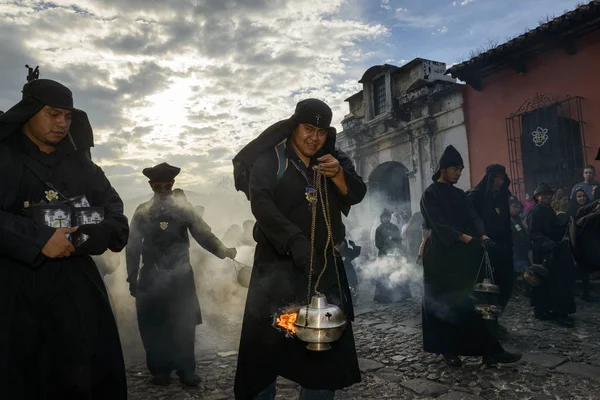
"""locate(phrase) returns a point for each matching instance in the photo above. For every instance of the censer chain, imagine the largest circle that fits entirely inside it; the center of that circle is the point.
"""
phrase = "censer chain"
(320, 187)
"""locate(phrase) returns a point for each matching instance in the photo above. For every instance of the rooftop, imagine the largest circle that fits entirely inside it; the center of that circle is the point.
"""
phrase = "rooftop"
(558, 32)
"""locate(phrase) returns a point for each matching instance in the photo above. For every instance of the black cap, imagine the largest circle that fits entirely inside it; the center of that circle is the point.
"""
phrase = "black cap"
(49, 93)
(543, 188)
(314, 112)
(495, 169)
(161, 173)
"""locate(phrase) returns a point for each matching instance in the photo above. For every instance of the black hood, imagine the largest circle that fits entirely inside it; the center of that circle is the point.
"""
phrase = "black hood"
(46, 92)
(486, 185)
(450, 158)
(598, 155)
(268, 140)
(573, 205)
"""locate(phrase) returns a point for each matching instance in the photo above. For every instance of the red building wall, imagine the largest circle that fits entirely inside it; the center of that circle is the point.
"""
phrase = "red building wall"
(554, 72)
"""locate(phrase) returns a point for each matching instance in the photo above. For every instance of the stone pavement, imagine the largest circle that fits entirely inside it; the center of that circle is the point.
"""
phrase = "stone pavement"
(558, 363)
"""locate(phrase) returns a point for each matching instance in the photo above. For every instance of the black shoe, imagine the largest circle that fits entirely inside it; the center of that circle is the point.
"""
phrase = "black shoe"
(501, 358)
(191, 380)
(452, 360)
(160, 380)
(589, 298)
(565, 322)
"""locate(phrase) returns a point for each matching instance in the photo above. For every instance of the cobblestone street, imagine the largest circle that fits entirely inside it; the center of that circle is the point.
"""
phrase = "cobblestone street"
(558, 363)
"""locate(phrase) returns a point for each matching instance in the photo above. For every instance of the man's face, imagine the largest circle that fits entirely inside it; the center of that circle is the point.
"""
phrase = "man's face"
(386, 219)
(589, 175)
(545, 199)
(49, 126)
(451, 174)
(162, 188)
(498, 182)
(581, 197)
(308, 139)
(514, 209)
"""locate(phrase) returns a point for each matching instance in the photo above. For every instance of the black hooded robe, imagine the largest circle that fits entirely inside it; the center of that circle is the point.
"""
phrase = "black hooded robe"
(549, 244)
(494, 212)
(58, 336)
(168, 309)
(282, 213)
(451, 325)
(388, 239)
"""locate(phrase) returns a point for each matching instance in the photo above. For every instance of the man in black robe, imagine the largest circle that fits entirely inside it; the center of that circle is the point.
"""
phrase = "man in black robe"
(58, 336)
(388, 241)
(276, 173)
(451, 259)
(553, 299)
(167, 306)
(490, 201)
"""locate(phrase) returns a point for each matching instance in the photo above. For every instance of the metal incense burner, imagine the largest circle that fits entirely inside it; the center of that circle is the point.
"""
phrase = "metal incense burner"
(485, 294)
(320, 324)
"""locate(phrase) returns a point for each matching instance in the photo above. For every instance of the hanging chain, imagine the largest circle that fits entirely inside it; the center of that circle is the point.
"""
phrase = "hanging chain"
(320, 182)
(313, 227)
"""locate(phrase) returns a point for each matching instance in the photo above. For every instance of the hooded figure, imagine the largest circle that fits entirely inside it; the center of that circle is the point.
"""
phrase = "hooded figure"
(388, 240)
(490, 201)
(276, 171)
(58, 336)
(554, 298)
(167, 305)
(520, 237)
(452, 257)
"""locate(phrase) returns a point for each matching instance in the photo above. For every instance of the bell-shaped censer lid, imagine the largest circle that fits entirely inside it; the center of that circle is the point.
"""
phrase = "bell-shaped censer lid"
(487, 287)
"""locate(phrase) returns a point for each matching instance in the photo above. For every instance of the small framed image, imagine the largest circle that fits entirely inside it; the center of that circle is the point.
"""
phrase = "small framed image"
(87, 216)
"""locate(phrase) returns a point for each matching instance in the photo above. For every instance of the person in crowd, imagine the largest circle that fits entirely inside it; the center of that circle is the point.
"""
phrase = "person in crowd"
(490, 200)
(553, 299)
(559, 205)
(247, 235)
(452, 257)
(578, 200)
(521, 243)
(232, 236)
(58, 336)
(349, 252)
(529, 203)
(280, 172)
(414, 236)
(389, 242)
(167, 305)
(589, 184)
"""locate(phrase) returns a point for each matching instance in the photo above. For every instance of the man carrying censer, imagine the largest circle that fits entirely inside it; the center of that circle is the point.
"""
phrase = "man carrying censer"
(452, 255)
(283, 172)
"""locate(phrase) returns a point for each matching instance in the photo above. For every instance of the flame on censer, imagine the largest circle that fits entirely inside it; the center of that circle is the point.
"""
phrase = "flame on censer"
(286, 321)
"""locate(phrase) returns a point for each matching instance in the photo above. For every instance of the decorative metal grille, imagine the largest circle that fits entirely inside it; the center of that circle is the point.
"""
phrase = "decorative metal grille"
(546, 143)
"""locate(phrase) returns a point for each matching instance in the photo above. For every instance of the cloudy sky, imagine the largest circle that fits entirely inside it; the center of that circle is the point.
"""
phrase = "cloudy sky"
(190, 81)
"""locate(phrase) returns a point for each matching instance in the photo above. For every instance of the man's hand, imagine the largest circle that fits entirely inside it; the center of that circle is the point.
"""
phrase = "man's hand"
(328, 166)
(231, 253)
(59, 246)
(466, 239)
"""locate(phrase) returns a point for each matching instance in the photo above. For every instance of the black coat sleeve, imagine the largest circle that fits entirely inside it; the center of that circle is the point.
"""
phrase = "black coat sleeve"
(202, 233)
(279, 230)
(23, 240)
(432, 210)
(379, 238)
(133, 252)
(356, 187)
(115, 224)
(476, 200)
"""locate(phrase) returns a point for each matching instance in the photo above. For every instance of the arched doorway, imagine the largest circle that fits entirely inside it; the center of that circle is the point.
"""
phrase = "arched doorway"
(389, 188)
